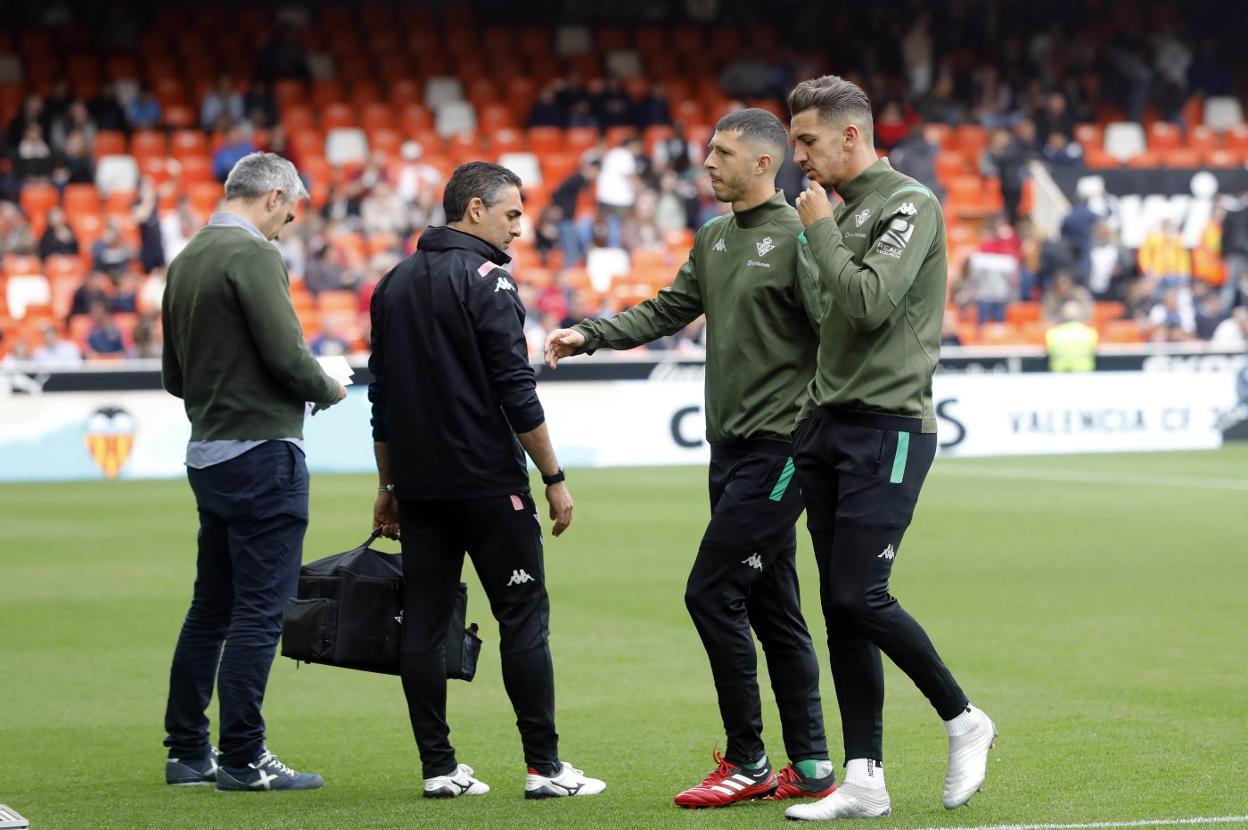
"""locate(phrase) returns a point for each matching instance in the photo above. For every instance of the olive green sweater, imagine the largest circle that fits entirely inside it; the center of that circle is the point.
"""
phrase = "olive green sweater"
(748, 273)
(233, 347)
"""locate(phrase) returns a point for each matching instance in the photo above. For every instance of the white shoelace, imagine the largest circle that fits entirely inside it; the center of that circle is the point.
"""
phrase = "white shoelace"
(268, 759)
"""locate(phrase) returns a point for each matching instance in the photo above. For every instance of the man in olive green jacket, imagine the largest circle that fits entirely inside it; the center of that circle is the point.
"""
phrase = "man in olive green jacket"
(747, 273)
(869, 439)
(234, 352)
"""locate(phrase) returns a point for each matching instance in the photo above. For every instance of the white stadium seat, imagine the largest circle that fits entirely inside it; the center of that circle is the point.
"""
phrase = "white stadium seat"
(604, 264)
(442, 90)
(116, 173)
(24, 290)
(454, 117)
(1124, 139)
(524, 165)
(1223, 112)
(346, 145)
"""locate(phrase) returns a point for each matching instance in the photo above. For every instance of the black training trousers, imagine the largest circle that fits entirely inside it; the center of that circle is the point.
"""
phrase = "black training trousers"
(503, 537)
(861, 475)
(745, 575)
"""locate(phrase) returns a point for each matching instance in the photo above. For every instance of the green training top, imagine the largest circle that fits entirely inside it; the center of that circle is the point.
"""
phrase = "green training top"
(749, 274)
(882, 269)
(233, 349)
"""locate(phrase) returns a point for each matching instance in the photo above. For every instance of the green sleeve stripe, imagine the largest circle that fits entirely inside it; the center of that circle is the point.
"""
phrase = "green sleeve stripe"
(899, 459)
(801, 237)
(782, 484)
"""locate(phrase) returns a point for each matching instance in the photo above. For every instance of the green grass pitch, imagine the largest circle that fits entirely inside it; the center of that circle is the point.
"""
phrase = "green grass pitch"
(1095, 606)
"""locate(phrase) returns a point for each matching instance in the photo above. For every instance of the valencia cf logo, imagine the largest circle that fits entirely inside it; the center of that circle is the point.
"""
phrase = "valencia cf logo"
(110, 438)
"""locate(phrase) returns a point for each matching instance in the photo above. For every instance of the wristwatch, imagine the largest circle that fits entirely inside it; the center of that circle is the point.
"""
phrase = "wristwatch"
(555, 479)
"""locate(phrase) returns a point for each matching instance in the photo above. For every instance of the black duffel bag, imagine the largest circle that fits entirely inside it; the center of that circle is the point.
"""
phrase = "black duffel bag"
(348, 612)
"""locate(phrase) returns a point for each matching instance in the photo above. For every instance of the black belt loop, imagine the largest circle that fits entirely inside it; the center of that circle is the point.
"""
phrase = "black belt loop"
(874, 420)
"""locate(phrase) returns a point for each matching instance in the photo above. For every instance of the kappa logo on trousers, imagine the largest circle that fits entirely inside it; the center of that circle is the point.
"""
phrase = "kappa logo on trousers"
(519, 577)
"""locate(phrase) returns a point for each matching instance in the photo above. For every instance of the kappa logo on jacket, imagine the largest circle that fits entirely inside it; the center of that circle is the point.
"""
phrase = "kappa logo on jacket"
(503, 285)
(720, 246)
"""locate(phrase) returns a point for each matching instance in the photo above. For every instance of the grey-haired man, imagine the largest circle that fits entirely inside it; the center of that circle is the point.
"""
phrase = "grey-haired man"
(234, 352)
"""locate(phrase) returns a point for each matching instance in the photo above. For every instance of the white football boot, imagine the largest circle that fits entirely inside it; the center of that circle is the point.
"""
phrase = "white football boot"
(460, 782)
(968, 760)
(849, 801)
(570, 781)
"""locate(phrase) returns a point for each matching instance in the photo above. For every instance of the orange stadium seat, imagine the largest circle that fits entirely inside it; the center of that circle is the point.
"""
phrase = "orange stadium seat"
(188, 143)
(180, 116)
(1022, 312)
(1220, 158)
(63, 266)
(37, 199)
(297, 118)
(376, 115)
(579, 139)
(337, 116)
(196, 170)
(1203, 139)
(109, 143)
(1164, 136)
(403, 91)
(546, 140)
(19, 265)
(1121, 331)
(1181, 157)
(999, 334)
(81, 198)
(204, 196)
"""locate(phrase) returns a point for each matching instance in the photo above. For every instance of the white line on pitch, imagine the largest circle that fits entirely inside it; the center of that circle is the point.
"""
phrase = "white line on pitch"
(1088, 477)
(1098, 825)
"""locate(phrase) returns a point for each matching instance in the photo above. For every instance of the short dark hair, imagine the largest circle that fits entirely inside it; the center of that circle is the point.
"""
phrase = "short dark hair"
(758, 125)
(837, 101)
(479, 179)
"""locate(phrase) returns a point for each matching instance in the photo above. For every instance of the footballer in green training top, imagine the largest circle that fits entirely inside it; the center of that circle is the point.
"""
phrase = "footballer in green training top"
(748, 274)
(866, 444)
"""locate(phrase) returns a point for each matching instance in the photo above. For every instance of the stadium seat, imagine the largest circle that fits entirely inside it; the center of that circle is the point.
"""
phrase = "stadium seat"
(1107, 310)
(1121, 331)
(63, 266)
(1237, 139)
(108, 143)
(385, 141)
(335, 116)
(1022, 312)
(346, 146)
(116, 173)
(204, 196)
(1097, 158)
(1124, 139)
(188, 143)
(194, 169)
(1203, 139)
(604, 265)
(376, 116)
(288, 91)
(579, 139)
(26, 290)
(1181, 157)
(180, 116)
(37, 199)
(454, 117)
(1145, 159)
(297, 118)
(79, 198)
(415, 118)
(147, 143)
(507, 140)
(403, 91)
(1164, 136)
(999, 334)
(443, 90)
(524, 165)
(1223, 112)
(1222, 159)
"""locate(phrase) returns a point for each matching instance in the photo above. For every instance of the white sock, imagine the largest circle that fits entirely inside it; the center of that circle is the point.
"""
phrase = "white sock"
(964, 722)
(865, 772)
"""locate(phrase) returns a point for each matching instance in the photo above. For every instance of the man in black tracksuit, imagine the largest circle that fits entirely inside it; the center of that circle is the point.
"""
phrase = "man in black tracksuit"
(455, 409)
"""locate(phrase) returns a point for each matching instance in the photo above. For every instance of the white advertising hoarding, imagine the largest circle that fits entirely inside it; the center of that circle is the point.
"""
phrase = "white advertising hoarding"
(65, 436)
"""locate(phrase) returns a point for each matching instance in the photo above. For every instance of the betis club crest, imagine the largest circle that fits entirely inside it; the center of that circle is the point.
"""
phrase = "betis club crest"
(110, 438)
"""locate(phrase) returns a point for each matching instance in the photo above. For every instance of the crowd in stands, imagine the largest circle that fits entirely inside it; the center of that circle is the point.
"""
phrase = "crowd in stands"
(607, 124)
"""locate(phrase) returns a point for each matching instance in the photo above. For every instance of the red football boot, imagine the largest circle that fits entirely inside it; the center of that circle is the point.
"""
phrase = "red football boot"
(795, 785)
(729, 784)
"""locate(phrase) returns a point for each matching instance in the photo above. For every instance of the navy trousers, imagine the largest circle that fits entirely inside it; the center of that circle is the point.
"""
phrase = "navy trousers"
(253, 512)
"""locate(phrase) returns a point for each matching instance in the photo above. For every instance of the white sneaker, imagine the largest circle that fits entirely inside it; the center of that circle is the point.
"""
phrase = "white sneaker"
(968, 761)
(849, 801)
(460, 782)
(569, 781)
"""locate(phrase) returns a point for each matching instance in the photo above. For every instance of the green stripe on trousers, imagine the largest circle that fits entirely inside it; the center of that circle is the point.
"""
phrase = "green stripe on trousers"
(782, 484)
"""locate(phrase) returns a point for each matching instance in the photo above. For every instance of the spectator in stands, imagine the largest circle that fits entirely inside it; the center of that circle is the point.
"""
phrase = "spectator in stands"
(1232, 334)
(546, 232)
(328, 268)
(283, 57)
(111, 254)
(103, 338)
(1173, 319)
(260, 107)
(916, 157)
(73, 163)
(1235, 248)
(56, 103)
(106, 110)
(96, 289)
(34, 156)
(1163, 257)
(55, 353)
(16, 236)
(58, 236)
(618, 180)
(1207, 263)
(673, 152)
(1107, 264)
(412, 177)
(566, 196)
(611, 105)
(1209, 313)
(329, 343)
(1054, 119)
(1062, 290)
(992, 273)
(1071, 343)
(1007, 159)
(238, 143)
(382, 211)
(751, 76)
(76, 117)
(1172, 58)
(145, 111)
(671, 213)
(547, 110)
(222, 106)
(147, 342)
(1076, 234)
(640, 230)
(177, 228)
(916, 53)
(32, 112)
(152, 290)
(343, 203)
(18, 352)
(146, 217)
(1060, 151)
(892, 124)
(938, 105)
(126, 297)
(654, 108)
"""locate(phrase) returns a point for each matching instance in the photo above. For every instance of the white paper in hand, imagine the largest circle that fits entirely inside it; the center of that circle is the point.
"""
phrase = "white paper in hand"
(337, 368)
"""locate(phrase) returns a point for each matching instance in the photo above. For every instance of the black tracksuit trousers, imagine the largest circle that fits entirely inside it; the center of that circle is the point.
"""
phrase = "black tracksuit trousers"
(861, 475)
